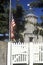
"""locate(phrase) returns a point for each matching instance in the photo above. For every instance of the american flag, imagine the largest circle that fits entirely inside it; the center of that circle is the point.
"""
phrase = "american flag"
(12, 28)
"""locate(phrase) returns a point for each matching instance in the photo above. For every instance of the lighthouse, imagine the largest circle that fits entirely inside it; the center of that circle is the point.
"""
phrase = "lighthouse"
(31, 19)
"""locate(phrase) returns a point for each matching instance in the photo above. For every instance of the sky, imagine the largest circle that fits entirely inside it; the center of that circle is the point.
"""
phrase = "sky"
(37, 11)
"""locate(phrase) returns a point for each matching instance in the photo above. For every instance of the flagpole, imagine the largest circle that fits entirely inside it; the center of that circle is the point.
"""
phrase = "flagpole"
(9, 21)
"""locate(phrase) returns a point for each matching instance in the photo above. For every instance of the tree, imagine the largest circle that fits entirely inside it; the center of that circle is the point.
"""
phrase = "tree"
(20, 23)
(37, 3)
(4, 16)
(41, 24)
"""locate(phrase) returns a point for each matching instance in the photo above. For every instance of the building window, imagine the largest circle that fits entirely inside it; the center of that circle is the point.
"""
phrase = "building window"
(30, 39)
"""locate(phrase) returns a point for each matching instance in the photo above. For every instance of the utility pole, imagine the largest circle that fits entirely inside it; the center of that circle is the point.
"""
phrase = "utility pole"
(9, 19)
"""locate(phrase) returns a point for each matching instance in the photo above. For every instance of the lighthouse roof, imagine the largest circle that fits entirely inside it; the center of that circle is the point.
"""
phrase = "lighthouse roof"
(32, 15)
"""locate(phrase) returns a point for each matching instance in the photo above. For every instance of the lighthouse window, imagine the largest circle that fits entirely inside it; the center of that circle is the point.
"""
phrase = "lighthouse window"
(30, 39)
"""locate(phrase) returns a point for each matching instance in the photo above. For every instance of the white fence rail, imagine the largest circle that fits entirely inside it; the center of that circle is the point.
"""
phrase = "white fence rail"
(28, 53)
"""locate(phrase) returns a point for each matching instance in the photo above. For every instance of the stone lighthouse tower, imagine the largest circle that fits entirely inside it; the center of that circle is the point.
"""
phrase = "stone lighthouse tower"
(30, 27)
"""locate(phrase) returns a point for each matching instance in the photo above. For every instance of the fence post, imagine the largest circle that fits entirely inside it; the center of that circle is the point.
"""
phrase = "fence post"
(31, 53)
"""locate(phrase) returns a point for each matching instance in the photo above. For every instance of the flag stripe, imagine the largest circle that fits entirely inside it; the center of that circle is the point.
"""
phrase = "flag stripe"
(12, 25)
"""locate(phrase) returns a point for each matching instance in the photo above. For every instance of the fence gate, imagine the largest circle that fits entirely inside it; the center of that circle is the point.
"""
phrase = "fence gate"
(18, 53)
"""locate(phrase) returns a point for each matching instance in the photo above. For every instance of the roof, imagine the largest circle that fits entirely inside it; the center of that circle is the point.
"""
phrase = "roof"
(28, 15)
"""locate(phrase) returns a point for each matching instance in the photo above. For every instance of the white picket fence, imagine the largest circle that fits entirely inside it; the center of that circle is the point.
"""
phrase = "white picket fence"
(27, 53)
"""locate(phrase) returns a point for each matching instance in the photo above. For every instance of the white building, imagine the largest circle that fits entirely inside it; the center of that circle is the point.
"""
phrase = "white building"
(31, 51)
(29, 36)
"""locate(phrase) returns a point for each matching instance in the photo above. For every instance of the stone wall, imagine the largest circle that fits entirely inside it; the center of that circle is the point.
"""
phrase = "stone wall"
(3, 53)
